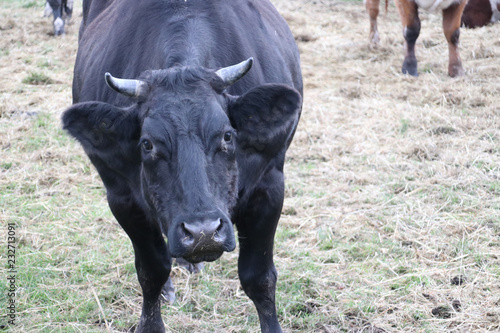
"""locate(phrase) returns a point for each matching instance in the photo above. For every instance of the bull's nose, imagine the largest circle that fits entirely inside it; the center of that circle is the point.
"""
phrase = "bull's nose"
(198, 231)
(202, 239)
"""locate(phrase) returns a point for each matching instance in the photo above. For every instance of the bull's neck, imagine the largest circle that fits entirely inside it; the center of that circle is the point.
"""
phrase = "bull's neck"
(188, 43)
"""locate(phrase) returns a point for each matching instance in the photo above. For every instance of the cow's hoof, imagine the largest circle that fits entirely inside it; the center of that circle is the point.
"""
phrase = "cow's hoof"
(412, 72)
(456, 71)
(168, 292)
(58, 27)
(374, 40)
(410, 66)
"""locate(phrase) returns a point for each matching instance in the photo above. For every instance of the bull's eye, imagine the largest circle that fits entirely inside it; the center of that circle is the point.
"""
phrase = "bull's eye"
(228, 136)
(147, 145)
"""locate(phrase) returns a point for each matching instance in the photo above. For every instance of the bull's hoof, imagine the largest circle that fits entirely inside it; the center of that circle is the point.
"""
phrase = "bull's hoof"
(410, 66)
(412, 72)
(168, 292)
(456, 71)
(374, 39)
(410, 69)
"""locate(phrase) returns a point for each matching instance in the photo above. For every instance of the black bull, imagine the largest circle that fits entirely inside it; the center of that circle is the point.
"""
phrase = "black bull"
(183, 149)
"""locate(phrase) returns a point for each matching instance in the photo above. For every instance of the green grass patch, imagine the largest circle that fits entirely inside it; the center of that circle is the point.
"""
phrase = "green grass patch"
(36, 78)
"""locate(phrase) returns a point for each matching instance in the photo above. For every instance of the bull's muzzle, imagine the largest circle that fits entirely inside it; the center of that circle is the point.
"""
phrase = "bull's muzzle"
(201, 239)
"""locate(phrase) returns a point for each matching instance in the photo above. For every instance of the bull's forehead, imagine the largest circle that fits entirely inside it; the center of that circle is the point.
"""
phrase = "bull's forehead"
(191, 116)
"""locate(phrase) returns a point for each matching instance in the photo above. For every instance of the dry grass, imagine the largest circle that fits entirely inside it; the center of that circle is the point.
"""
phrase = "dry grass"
(391, 221)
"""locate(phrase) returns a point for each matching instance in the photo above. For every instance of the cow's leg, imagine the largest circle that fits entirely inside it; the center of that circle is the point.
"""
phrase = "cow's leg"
(256, 228)
(451, 29)
(408, 11)
(152, 259)
(57, 12)
(68, 9)
(153, 265)
(372, 7)
(48, 10)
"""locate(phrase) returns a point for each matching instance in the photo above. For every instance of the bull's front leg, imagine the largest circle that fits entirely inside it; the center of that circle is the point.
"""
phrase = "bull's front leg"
(152, 259)
(408, 12)
(258, 278)
(451, 29)
(372, 7)
(153, 269)
(256, 228)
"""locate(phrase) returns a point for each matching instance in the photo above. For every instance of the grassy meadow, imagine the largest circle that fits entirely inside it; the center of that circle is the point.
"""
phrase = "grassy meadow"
(391, 220)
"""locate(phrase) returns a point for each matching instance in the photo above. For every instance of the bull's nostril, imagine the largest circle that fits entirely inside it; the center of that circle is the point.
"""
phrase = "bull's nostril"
(186, 233)
(219, 227)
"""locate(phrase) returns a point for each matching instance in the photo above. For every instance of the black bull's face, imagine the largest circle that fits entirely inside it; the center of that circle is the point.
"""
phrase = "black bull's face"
(188, 171)
(177, 152)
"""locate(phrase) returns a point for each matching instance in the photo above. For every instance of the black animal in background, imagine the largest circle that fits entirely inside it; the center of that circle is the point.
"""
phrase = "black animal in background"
(191, 138)
(62, 10)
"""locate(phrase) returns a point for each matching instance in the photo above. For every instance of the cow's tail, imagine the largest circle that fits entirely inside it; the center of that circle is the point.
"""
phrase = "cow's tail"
(386, 6)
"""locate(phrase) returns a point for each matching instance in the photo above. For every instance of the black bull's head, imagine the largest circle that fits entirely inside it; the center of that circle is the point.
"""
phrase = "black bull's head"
(176, 151)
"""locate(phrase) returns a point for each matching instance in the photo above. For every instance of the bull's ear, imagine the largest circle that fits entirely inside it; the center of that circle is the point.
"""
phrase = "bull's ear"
(265, 117)
(108, 134)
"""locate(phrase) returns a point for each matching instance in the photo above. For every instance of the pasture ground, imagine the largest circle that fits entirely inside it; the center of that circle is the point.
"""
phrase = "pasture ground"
(392, 215)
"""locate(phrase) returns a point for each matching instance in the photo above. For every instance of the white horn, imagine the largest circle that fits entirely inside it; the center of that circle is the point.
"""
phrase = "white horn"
(131, 88)
(233, 73)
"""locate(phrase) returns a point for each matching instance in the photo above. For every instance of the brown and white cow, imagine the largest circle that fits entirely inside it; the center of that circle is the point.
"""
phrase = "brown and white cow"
(478, 13)
(408, 11)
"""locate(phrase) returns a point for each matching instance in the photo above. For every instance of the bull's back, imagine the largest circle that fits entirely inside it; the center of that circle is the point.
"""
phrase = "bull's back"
(128, 37)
